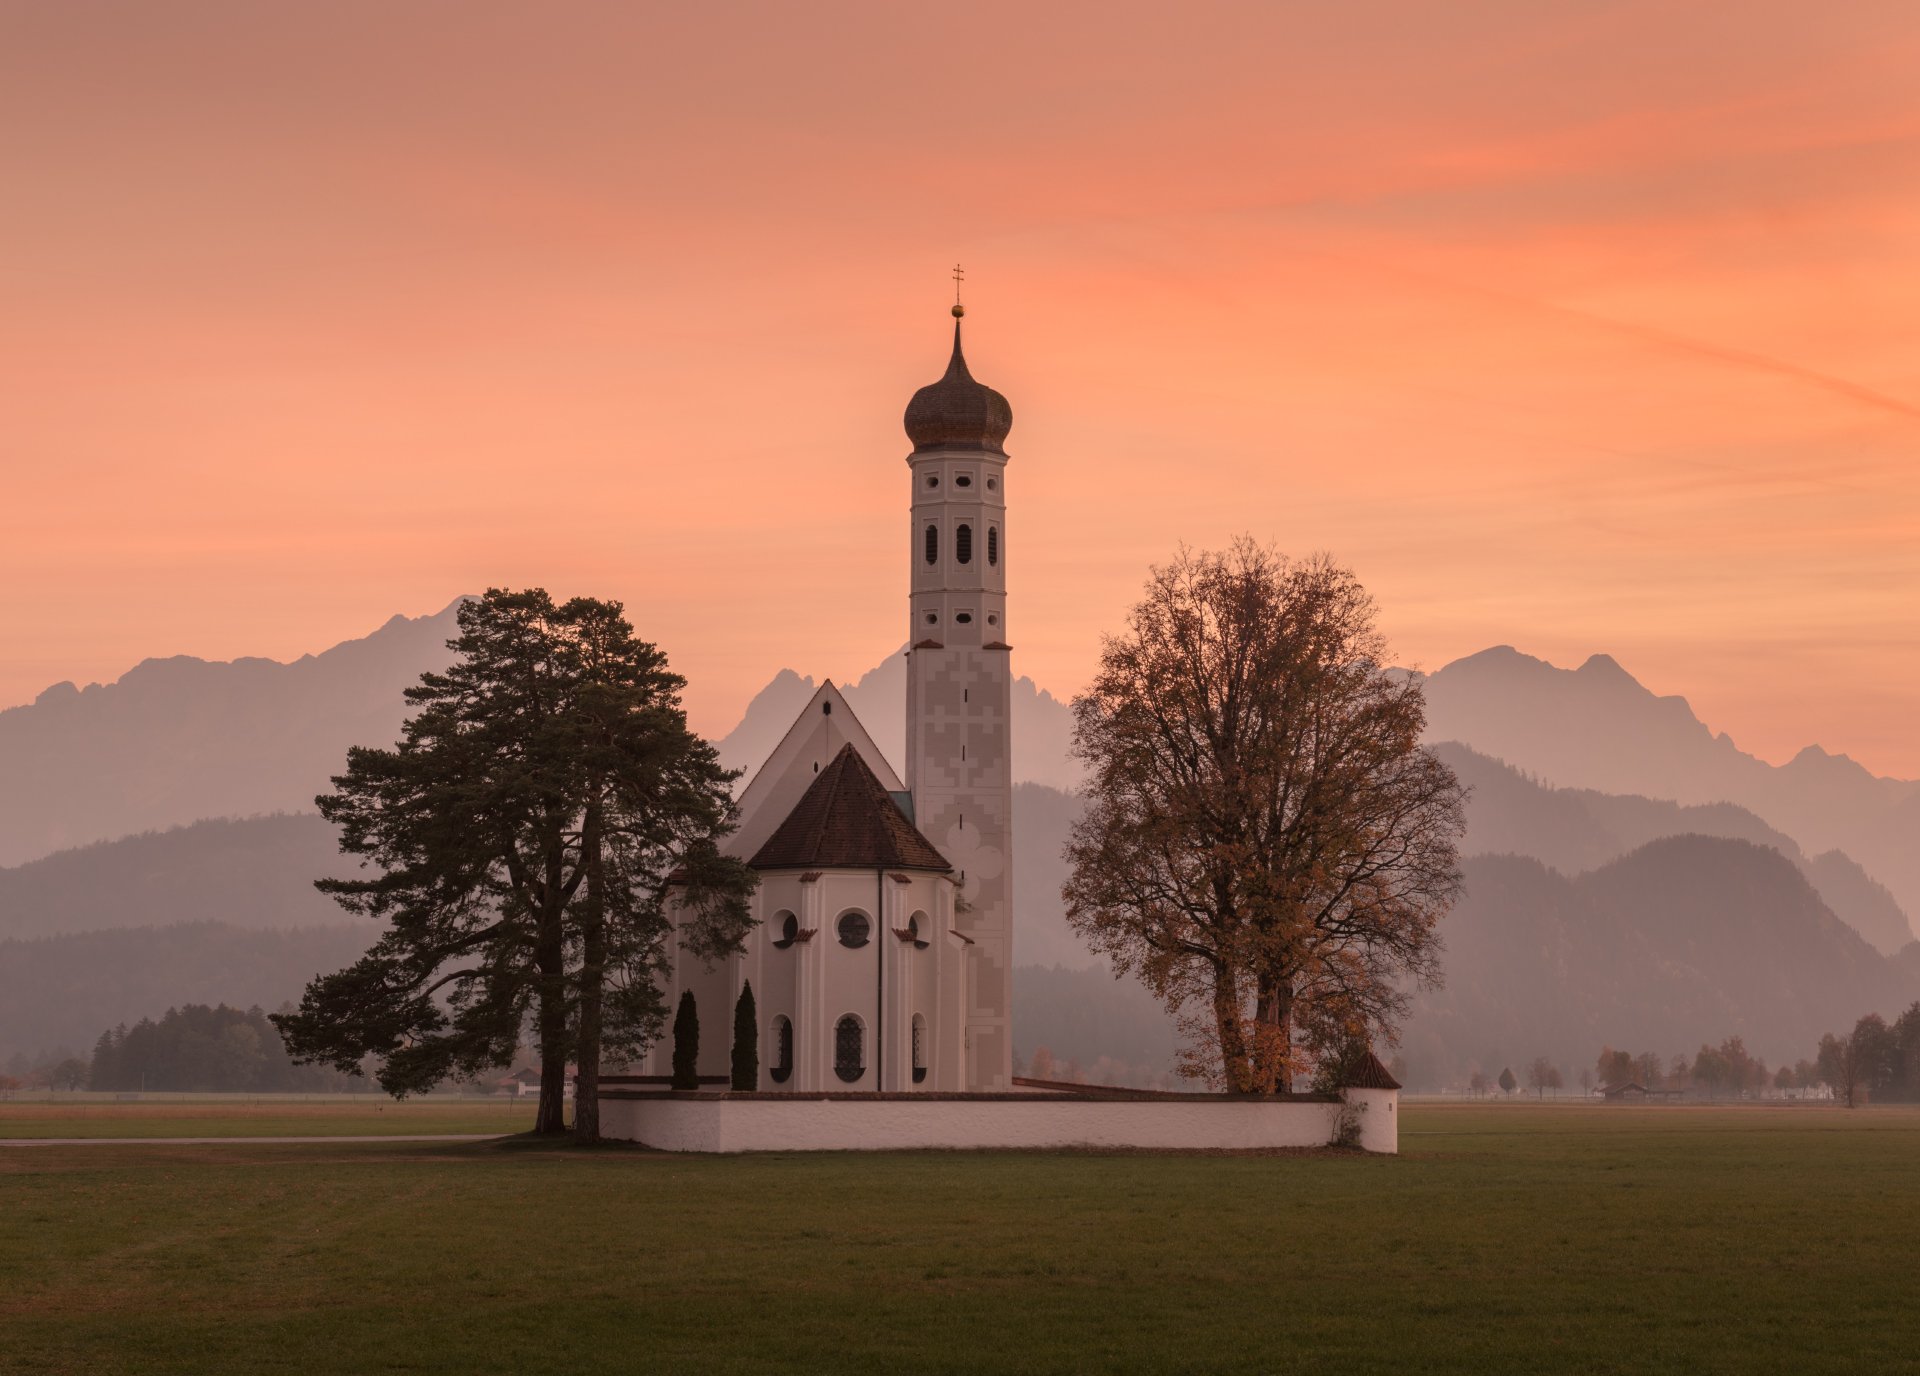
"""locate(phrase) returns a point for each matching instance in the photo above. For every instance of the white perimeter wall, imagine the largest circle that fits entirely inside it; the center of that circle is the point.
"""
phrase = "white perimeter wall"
(737, 1125)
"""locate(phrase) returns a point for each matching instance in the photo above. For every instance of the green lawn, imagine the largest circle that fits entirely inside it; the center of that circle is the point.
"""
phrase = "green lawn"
(1504, 1239)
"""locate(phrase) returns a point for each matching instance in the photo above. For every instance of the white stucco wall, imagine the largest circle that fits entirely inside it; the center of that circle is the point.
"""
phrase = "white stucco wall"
(1378, 1111)
(718, 1124)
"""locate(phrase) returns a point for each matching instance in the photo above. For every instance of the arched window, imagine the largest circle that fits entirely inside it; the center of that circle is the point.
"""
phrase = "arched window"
(849, 1049)
(993, 544)
(853, 928)
(963, 544)
(919, 1048)
(933, 544)
(788, 926)
(782, 1050)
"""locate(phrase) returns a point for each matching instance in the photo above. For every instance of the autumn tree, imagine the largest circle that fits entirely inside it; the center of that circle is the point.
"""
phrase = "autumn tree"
(1540, 1076)
(1507, 1081)
(1266, 843)
(523, 842)
(1841, 1066)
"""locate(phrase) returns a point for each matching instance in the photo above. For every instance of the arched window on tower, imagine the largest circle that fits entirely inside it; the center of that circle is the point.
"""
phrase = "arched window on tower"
(963, 544)
(849, 1049)
(782, 1067)
(919, 1048)
(993, 545)
(933, 544)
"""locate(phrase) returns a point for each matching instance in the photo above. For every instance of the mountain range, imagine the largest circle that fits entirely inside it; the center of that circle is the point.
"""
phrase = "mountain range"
(1630, 874)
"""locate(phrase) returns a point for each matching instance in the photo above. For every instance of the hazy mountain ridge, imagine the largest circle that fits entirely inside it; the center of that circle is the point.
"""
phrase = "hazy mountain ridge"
(1575, 830)
(1687, 939)
(178, 740)
(254, 872)
(1596, 727)
(67, 990)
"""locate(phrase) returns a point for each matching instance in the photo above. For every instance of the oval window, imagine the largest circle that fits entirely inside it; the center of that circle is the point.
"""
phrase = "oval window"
(991, 484)
(964, 480)
(933, 544)
(854, 929)
(849, 1049)
(788, 925)
(993, 544)
(933, 480)
(963, 544)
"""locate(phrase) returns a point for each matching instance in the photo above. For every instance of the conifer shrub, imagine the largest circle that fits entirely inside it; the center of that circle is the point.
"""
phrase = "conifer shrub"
(686, 1043)
(746, 1041)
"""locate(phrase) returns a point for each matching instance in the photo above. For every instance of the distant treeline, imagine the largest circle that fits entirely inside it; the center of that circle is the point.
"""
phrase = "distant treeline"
(1878, 1060)
(203, 1049)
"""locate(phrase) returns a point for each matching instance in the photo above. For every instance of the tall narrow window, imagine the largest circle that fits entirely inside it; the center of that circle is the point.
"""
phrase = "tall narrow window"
(933, 544)
(782, 1050)
(919, 1048)
(963, 544)
(993, 544)
(849, 1049)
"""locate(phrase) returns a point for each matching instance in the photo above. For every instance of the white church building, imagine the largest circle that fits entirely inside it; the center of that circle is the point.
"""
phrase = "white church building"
(882, 960)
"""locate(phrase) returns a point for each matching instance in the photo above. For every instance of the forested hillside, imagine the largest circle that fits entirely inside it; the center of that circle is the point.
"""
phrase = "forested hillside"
(1574, 830)
(254, 872)
(66, 990)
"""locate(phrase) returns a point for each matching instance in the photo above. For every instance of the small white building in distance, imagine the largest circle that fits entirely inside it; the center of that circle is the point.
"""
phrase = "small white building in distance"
(882, 961)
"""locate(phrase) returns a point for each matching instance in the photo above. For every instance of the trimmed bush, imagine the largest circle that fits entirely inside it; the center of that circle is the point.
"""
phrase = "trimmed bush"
(746, 1041)
(686, 1044)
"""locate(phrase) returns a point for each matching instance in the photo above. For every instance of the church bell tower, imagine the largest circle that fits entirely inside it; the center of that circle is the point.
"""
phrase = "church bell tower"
(959, 684)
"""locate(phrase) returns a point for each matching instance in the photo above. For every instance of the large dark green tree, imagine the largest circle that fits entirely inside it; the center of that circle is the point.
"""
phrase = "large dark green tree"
(522, 842)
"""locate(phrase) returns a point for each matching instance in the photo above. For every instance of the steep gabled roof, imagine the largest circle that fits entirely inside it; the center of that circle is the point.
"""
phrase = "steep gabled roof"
(846, 820)
(1368, 1073)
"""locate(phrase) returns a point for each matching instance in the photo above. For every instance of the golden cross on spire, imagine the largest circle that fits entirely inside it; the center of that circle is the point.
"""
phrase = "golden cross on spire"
(958, 309)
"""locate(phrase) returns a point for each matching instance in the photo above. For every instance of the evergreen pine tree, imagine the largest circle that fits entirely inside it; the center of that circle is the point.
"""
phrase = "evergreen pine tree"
(105, 1072)
(746, 1041)
(686, 1044)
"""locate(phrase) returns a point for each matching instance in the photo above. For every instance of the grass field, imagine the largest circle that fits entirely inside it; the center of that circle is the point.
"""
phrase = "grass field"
(234, 1116)
(1503, 1239)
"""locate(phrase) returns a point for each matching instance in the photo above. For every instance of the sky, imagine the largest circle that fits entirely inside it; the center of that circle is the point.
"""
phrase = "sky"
(1578, 327)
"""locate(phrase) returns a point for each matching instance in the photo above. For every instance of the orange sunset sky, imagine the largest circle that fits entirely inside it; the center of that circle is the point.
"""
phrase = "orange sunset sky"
(1580, 327)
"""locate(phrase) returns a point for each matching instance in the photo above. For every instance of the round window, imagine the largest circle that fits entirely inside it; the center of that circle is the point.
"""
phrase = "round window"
(854, 929)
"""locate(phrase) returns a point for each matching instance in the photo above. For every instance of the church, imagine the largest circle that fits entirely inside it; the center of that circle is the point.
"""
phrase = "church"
(883, 955)
(881, 962)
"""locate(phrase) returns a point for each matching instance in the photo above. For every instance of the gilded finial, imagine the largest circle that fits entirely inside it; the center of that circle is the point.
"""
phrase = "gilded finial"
(958, 309)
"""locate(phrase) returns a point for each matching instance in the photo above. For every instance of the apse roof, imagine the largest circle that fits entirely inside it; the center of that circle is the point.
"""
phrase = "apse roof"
(847, 820)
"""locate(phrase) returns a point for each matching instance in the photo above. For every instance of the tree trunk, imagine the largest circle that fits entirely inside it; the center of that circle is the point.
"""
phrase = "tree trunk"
(551, 955)
(1273, 1036)
(593, 965)
(1233, 1041)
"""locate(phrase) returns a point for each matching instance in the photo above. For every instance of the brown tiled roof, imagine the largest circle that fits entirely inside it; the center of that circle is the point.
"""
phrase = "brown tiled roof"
(847, 820)
(1368, 1073)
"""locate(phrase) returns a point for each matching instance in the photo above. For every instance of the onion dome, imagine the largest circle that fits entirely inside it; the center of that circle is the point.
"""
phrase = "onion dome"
(956, 412)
